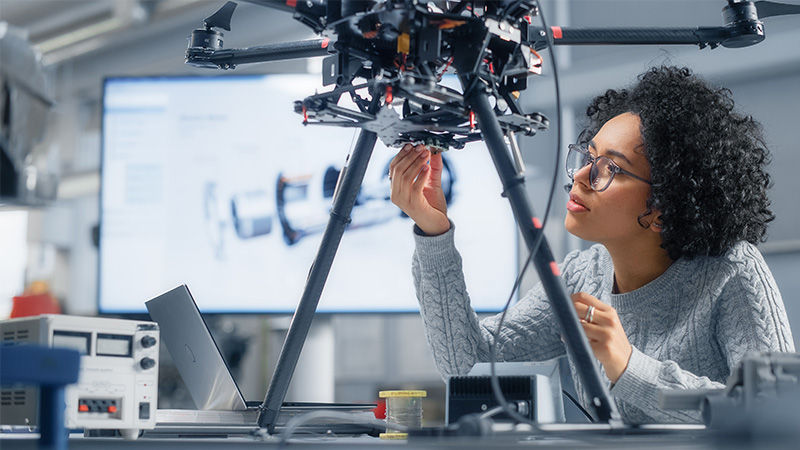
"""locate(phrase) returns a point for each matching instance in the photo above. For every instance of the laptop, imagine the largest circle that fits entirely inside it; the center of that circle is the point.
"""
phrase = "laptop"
(222, 409)
(194, 351)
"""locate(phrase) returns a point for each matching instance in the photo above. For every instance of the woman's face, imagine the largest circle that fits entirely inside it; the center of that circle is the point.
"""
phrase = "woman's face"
(611, 216)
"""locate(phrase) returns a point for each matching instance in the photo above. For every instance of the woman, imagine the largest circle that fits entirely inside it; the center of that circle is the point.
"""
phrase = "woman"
(670, 182)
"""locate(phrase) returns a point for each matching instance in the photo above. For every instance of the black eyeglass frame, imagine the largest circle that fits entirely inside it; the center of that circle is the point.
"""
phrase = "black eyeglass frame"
(593, 172)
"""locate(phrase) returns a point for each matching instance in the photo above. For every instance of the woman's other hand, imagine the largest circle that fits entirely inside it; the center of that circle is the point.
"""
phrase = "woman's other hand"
(416, 186)
(606, 337)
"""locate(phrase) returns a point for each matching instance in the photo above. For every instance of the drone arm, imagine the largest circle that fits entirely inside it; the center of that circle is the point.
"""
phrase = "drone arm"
(231, 57)
(338, 111)
(712, 36)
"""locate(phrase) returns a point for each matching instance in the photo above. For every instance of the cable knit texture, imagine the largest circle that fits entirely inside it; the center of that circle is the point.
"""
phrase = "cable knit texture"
(688, 328)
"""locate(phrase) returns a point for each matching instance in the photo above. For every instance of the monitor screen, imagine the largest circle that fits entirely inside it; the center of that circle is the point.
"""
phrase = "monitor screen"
(214, 182)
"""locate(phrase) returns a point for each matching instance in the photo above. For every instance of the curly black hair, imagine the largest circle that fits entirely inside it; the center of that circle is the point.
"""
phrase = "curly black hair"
(707, 160)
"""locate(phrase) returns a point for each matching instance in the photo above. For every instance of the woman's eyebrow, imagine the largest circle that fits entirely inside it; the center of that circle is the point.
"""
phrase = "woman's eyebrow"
(612, 152)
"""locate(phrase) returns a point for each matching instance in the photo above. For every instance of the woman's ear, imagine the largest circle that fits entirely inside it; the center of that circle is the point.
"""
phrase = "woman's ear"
(656, 225)
(651, 220)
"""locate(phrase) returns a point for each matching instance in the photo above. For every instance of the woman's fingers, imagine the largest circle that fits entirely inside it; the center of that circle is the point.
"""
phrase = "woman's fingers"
(589, 300)
(422, 178)
(412, 169)
(408, 163)
(596, 332)
(402, 161)
(601, 317)
(405, 157)
(408, 174)
(436, 167)
(598, 317)
(400, 156)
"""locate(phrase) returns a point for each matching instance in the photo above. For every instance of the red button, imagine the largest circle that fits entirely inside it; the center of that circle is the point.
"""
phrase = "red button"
(112, 409)
(83, 408)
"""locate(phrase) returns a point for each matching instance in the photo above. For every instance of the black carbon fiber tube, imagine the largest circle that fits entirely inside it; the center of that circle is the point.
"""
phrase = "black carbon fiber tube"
(547, 269)
(271, 52)
(630, 36)
(639, 36)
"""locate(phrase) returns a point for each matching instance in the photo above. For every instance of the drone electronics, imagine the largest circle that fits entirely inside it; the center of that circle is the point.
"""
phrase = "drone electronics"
(403, 47)
(389, 57)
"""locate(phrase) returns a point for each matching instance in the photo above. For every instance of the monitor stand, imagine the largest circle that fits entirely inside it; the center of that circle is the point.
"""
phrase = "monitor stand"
(313, 378)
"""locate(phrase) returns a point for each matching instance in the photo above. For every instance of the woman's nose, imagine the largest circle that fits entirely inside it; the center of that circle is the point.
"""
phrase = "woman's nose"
(582, 175)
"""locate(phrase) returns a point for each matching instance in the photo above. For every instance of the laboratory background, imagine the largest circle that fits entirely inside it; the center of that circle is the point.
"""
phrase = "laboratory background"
(145, 173)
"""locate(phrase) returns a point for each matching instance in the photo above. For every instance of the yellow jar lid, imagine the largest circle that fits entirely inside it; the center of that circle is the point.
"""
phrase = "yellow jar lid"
(394, 394)
(393, 435)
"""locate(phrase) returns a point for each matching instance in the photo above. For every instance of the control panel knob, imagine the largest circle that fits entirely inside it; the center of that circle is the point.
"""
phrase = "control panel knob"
(147, 363)
(148, 341)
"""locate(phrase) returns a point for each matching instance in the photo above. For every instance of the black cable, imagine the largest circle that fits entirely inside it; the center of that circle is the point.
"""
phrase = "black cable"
(498, 393)
(578, 404)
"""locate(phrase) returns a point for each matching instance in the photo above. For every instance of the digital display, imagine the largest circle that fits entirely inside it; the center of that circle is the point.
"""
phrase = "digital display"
(114, 345)
(73, 340)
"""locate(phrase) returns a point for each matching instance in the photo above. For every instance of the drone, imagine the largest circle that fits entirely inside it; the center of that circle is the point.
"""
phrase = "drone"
(390, 57)
(402, 48)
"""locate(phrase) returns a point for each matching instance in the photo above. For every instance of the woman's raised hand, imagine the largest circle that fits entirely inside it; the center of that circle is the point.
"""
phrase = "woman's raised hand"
(416, 179)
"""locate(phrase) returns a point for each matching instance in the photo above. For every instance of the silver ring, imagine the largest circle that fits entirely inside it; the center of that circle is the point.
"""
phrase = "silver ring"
(589, 314)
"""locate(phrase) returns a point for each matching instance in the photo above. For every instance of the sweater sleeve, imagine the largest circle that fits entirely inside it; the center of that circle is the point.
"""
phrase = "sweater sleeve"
(645, 377)
(748, 317)
(456, 337)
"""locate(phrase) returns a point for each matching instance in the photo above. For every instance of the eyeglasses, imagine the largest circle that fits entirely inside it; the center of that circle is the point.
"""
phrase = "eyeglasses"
(603, 169)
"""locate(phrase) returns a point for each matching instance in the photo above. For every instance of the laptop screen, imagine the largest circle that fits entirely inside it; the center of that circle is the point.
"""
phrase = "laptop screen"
(194, 351)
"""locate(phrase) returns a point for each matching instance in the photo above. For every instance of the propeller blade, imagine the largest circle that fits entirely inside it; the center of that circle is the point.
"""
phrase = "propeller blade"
(221, 18)
(769, 9)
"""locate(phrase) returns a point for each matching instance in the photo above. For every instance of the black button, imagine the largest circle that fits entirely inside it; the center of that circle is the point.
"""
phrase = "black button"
(148, 341)
(147, 363)
(144, 410)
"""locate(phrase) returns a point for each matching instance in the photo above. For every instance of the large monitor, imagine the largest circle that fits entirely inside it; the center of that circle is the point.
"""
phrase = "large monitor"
(214, 182)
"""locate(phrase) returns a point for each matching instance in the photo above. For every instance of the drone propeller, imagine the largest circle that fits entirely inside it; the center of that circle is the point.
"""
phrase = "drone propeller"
(770, 9)
(221, 18)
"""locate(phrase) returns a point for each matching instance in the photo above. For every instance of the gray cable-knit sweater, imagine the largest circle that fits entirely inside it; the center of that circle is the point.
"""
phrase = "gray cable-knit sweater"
(688, 328)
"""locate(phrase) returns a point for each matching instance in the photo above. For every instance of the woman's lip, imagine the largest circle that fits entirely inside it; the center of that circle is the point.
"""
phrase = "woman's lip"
(576, 201)
(573, 206)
